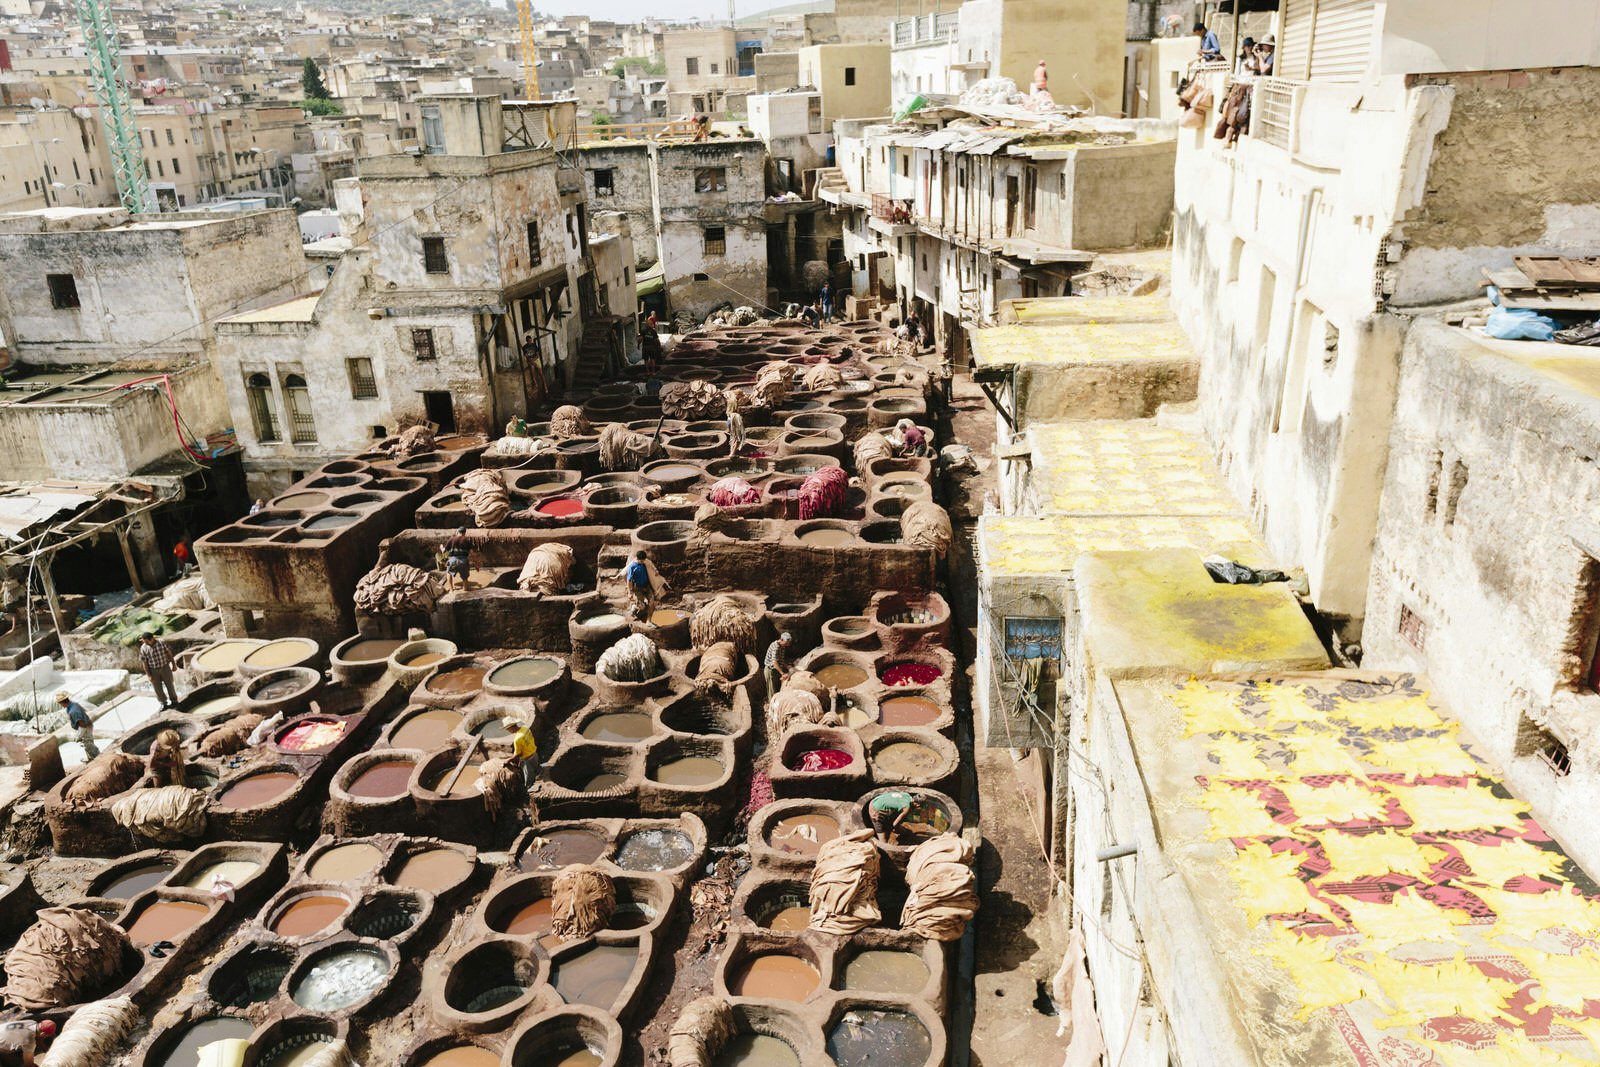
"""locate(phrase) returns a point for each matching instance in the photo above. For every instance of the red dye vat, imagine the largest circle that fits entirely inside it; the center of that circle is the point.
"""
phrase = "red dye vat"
(822, 759)
(561, 507)
(910, 674)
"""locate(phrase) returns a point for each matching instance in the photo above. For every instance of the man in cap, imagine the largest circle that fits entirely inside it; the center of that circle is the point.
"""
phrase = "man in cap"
(80, 722)
(1266, 49)
(524, 749)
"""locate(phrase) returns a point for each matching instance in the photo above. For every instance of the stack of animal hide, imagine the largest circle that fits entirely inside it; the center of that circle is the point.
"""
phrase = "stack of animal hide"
(944, 891)
(581, 902)
(107, 776)
(822, 495)
(926, 525)
(733, 491)
(699, 1033)
(822, 378)
(568, 420)
(871, 446)
(693, 401)
(232, 736)
(546, 570)
(621, 449)
(772, 385)
(722, 619)
(397, 589)
(412, 441)
(169, 815)
(633, 659)
(719, 665)
(844, 885)
(68, 954)
(484, 493)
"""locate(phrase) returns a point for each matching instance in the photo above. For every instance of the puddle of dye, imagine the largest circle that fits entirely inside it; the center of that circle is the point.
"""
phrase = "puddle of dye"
(654, 850)
(817, 760)
(908, 711)
(216, 704)
(491, 728)
(595, 977)
(436, 869)
(232, 871)
(370, 650)
(690, 771)
(841, 676)
(339, 980)
(224, 656)
(886, 971)
(280, 654)
(857, 717)
(186, 1053)
(426, 730)
(866, 1037)
(524, 673)
(279, 689)
(775, 976)
(460, 680)
(561, 848)
(330, 522)
(907, 759)
(601, 782)
(533, 919)
(561, 507)
(910, 674)
(132, 883)
(298, 1056)
(309, 915)
(802, 835)
(465, 783)
(258, 789)
(756, 1050)
(427, 659)
(789, 920)
(580, 1057)
(623, 727)
(382, 780)
(463, 1056)
(667, 616)
(827, 537)
(315, 735)
(344, 862)
(166, 920)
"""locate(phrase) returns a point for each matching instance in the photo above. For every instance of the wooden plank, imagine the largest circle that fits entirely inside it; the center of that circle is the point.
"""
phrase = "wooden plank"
(1559, 272)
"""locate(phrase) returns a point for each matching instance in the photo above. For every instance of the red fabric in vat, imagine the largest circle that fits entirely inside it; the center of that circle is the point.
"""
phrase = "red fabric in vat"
(823, 759)
(561, 507)
(910, 674)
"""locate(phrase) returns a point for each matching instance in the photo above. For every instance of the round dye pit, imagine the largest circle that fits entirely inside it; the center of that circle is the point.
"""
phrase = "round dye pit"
(601, 782)
(166, 920)
(487, 978)
(756, 1050)
(340, 979)
(623, 727)
(285, 653)
(251, 977)
(426, 730)
(460, 680)
(903, 674)
(231, 871)
(385, 917)
(662, 617)
(312, 735)
(491, 729)
(827, 537)
(279, 688)
(186, 1053)
(775, 976)
(370, 650)
(908, 711)
(802, 835)
(907, 759)
(527, 673)
(224, 656)
(561, 848)
(131, 883)
(257, 789)
(816, 760)
(605, 620)
(672, 472)
(654, 850)
(688, 772)
(331, 522)
(464, 784)
(434, 870)
(383, 780)
(533, 919)
(426, 659)
(561, 507)
(886, 971)
(216, 705)
(309, 915)
(868, 1037)
(569, 1056)
(300, 500)
(464, 1056)
(295, 1052)
(595, 977)
(841, 675)
(789, 920)
(344, 863)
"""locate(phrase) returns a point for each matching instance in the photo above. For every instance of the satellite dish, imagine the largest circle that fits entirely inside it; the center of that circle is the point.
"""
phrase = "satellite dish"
(82, 112)
(36, 103)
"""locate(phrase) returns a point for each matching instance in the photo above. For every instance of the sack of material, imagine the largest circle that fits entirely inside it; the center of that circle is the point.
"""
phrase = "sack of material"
(484, 493)
(412, 441)
(107, 776)
(581, 902)
(722, 619)
(822, 495)
(694, 401)
(568, 420)
(944, 890)
(719, 665)
(733, 491)
(499, 782)
(699, 1033)
(232, 736)
(68, 954)
(632, 659)
(169, 815)
(796, 707)
(772, 385)
(397, 589)
(546, 569)
(844, 885)
(623, 450)
(91, 1037)
(926, 525)
(822, 378)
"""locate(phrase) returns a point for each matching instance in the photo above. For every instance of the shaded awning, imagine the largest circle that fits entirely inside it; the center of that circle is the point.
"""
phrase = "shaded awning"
(652, 281)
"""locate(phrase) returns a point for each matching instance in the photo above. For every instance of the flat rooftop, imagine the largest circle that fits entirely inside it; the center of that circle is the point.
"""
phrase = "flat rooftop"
(1091, 337)
(1131, 467)
(1019, 545)
(1371, 890)
(295, 309)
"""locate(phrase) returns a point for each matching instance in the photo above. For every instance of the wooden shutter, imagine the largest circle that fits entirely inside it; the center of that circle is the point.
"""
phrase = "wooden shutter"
(1341, 40)
(1293, 60)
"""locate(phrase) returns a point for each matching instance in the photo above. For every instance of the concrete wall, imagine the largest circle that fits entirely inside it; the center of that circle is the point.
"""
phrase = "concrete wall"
(739, 274)
(1487, 542)
(777, 71)
(1121, 195)
(853, 79)
(632, 190)
(1085, 63)
(784, 122)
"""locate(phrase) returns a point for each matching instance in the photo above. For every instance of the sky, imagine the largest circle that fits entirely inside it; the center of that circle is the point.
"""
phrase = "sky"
(634, 10)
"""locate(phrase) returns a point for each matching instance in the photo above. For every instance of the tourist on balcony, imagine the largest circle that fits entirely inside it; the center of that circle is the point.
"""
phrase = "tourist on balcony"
(1210, 47)
(1266, 50)
(1247, 59)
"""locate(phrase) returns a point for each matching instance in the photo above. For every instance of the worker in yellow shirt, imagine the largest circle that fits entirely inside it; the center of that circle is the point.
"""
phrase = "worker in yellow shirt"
(524, 749)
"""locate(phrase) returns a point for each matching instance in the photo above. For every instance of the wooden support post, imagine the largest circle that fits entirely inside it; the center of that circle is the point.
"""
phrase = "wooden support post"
(127, 558)
(50, 596)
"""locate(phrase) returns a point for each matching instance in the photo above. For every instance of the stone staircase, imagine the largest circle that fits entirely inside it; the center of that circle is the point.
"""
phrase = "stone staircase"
(831, 184)
(592, 356)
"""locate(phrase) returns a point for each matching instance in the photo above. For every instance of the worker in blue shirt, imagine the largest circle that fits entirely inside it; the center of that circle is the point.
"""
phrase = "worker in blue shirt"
(81, 724)
(1210, 47)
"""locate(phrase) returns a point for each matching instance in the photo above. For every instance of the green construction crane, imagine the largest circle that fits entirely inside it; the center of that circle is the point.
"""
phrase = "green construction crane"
(116, 106)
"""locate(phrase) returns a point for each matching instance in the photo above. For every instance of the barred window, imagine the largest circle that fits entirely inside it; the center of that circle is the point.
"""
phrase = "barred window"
(302, 428)
(258, 389)
(363, 384)
(434, 261)
(716, 240)
(422, 344)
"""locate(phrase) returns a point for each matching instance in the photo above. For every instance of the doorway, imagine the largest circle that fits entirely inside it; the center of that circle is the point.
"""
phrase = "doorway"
(441, 410)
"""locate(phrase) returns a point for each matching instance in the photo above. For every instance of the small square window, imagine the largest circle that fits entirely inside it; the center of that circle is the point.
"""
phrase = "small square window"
(434, 261)
(63, 290)
(535, 256)
(849, 75)
(691, 65)
(713, 68)
(422, 345)
(603, 179)
(711, 179)
(716, 240)
(363, 385)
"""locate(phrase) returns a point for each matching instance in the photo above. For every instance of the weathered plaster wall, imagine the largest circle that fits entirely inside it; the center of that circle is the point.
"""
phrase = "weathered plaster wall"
(1121, 196)
(1487, 537)
(737, 275)
(631, 191)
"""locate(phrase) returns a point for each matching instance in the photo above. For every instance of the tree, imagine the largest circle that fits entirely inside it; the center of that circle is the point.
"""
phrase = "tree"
(600, 118)
(311, 81)
(321, 106)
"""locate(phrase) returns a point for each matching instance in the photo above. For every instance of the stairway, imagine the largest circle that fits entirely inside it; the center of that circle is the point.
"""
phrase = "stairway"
(592, 356)
(831, 180)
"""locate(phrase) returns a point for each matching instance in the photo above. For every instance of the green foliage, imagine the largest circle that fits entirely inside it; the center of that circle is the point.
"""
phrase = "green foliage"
(311, 81)
(321, 106)
(600, 118)
(649, 66)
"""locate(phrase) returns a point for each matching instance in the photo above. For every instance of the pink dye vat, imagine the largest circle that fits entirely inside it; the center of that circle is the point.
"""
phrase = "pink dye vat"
(910, 674)
(822, 759)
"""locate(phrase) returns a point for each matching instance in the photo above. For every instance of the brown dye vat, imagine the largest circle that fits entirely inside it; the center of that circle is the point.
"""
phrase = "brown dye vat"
(166, 920)
(595, 977)
(775, 976)
(577, 1058)
(827, 537)
(280, 654)
(688, 771)
(602, 782)
(790, 920)
(465, 784)
(435, 869)
(802, 835)
(258, 789)
(300, 500)
(465, 1056)
(186, 1053)
(346, 862)
(532, 919)
(524, 673)
(886, 971)
(309, 915)
(461, 680)
(370, 650)
(382, 780)
(667, 616)
(621, 727)
(426, 730)
(907, 758)
(841, 676)
(427, 659)
(562, 848)
(672, 472)
(756, 1050)
(908, 711)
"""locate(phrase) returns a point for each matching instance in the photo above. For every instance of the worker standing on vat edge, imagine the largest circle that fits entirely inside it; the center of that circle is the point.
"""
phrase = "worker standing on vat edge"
(81, 724)
(524, 749)
(778, 662)
(644, 584)
(458, 557)
(156, 659)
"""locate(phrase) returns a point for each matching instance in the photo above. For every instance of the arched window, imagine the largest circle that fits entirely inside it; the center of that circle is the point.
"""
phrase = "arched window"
(258, 391)
(301, 427)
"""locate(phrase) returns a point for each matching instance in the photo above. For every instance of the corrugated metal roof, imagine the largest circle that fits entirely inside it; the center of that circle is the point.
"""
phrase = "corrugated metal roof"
(24, 507)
